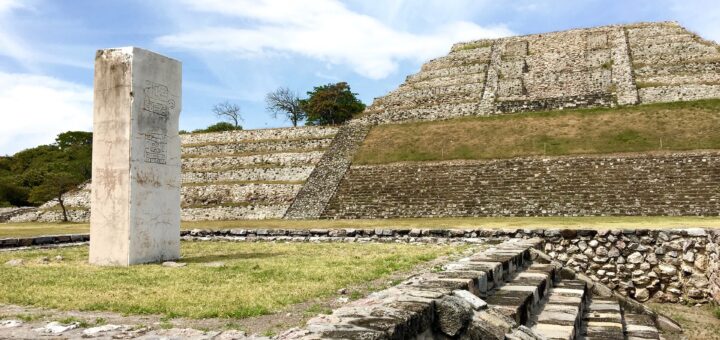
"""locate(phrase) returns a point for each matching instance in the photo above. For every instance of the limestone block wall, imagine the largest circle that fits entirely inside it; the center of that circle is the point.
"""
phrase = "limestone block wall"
(668, 184)
(672, 64)
(593, 67)
(251, 174)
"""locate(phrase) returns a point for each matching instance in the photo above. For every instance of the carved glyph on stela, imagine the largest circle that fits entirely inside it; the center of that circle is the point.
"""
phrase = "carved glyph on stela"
(158, 104)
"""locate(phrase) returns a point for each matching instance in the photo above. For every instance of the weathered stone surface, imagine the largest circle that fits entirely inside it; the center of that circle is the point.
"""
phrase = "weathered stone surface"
(15, 263)
(511, 188)
(474, 301)
(453, 314)
(136, 158)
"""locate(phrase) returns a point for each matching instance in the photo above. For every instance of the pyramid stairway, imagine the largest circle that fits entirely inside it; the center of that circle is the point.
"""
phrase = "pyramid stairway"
(513, 296)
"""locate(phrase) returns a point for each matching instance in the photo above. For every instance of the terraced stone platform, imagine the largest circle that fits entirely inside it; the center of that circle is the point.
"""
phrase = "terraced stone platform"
(251, 174)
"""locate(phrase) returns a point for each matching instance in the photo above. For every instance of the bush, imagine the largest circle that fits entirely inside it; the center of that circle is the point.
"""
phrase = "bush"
(219, 127)
(331, 104)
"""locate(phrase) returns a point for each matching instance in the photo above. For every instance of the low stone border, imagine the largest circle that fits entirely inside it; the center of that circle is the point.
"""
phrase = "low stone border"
(43, 240)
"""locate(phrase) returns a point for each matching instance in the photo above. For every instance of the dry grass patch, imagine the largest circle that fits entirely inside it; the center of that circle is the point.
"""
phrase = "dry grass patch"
(699, 323)
(257, 279)
(666, 126)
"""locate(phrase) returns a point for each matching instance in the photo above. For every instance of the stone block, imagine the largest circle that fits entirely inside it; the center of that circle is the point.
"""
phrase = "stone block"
(136, 158)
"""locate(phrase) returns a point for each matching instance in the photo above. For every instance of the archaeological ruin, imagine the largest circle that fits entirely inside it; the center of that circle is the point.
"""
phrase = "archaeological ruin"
(552, 283)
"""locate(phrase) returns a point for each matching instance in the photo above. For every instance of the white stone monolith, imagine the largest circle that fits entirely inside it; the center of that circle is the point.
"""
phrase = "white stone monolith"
(135, 198)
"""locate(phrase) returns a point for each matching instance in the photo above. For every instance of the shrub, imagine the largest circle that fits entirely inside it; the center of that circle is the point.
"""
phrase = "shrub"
(219, 127)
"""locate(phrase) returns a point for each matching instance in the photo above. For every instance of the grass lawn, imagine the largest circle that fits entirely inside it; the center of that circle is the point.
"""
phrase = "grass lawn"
(614, 222)
(644, 128)
(699, 323)
(257, 279)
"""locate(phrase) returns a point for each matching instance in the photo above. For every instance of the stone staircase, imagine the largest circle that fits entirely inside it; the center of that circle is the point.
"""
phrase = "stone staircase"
(322, 183)
(504, 292)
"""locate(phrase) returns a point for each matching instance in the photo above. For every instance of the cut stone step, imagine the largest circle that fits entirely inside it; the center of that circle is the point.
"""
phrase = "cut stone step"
(603, 320)
(520, 297)
(561, 316)
(639, 326)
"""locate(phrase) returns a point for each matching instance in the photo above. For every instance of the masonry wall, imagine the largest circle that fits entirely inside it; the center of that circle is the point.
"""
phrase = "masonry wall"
(671, 184)
(253, 174)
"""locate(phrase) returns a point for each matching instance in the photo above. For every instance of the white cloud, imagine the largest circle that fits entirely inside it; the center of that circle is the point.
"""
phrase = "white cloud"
(34, 109)
(325, 30)
(7, 5)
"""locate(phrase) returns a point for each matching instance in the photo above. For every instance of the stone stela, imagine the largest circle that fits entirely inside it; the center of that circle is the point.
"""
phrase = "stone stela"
(135, 195)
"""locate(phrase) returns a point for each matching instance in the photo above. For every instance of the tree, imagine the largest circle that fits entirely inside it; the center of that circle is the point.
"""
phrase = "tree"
(229, 111)
(55, 186)
(331, 104)
(284, 101)
(22, 173)
(74, 138)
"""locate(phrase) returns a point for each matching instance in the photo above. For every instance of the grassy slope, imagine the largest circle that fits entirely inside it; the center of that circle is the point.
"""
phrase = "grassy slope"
(680, 126)
(593, 222)
(257, 279)
(699, 323)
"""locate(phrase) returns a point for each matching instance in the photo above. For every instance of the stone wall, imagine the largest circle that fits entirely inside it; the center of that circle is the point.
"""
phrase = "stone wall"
(594, 67)
(251, 174)
(663, 265)
(665, 184)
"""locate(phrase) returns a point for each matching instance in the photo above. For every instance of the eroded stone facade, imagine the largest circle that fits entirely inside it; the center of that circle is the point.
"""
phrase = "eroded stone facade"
(601, 66)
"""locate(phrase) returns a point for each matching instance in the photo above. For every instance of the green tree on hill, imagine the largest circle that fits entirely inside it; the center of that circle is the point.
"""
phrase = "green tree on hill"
(29, 176)
(331, 104)
(54, 186)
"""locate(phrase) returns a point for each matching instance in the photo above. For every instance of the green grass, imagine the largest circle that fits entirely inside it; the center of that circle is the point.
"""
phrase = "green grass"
(698, 323)
(257, 279)
(646, 128)
(592, 222)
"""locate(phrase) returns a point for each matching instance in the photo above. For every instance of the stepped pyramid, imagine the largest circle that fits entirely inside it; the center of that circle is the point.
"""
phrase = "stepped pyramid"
(250, 174)
(594, 67)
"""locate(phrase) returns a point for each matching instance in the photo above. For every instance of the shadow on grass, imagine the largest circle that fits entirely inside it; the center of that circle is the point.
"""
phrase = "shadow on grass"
(230, 257)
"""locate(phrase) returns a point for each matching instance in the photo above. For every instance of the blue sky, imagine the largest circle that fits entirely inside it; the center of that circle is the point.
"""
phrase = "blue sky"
(238, 50)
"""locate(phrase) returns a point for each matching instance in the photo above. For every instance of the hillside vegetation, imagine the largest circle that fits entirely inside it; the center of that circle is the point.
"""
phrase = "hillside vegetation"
(655, 127)
(36, 175)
